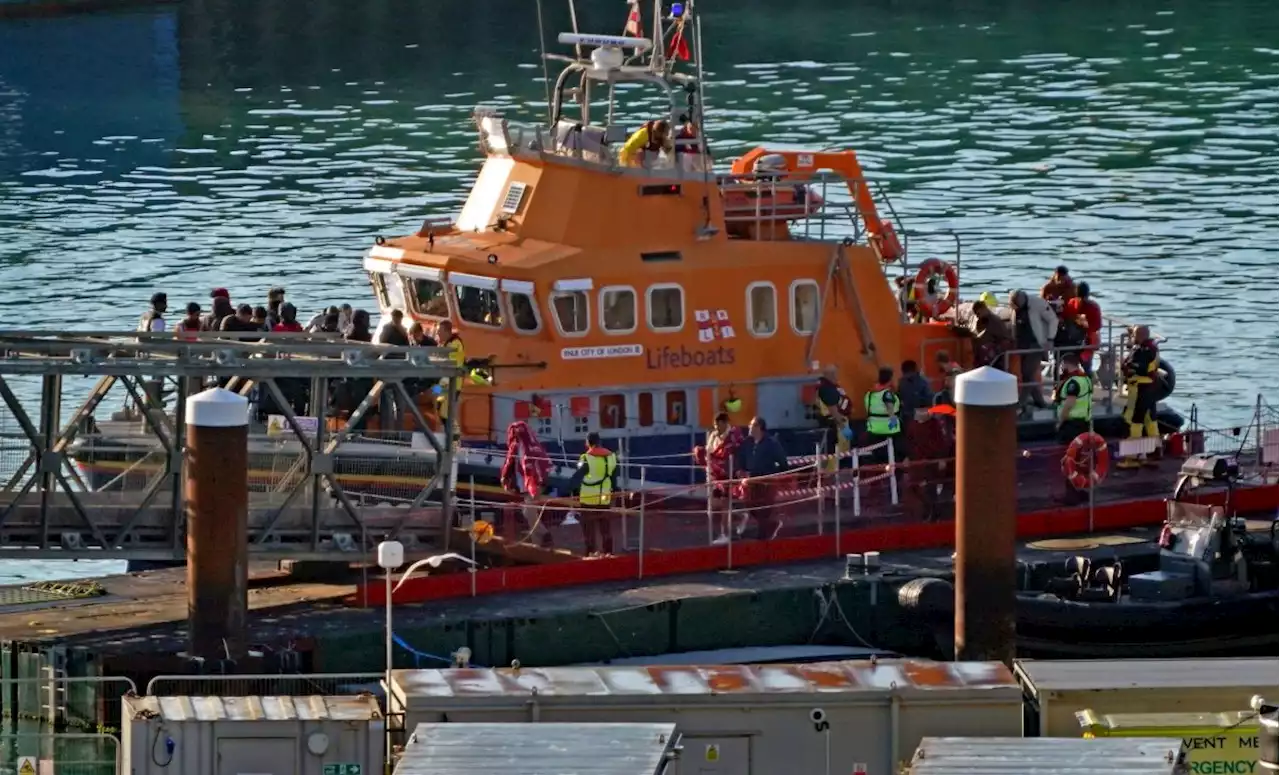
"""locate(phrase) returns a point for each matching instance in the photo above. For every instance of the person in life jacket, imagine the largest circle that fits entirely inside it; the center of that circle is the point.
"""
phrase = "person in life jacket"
(1073, 399)
(153, 319)
(646, 142)
(458, 354)
(832, 406)
(596, 480)
(1140, 374)
(883, 423)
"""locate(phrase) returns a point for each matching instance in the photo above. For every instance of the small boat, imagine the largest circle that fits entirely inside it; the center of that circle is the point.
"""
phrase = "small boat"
(1211, 588)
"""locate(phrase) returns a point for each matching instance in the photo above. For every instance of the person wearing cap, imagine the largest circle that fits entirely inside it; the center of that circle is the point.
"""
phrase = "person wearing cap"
(153, 319)
(220, 301)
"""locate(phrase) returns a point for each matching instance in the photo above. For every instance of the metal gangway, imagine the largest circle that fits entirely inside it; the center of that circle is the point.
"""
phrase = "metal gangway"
(342, 451)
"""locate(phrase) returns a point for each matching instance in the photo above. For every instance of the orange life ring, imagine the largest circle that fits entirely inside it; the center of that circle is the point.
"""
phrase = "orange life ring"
(932, 305)
(1075, 461)
(890, 245)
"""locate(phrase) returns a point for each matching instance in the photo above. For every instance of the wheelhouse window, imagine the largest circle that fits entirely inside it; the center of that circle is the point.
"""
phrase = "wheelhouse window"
(521, 306)
(424, 289)
(379, 283)
(477, 299)
(804, 306)
(618, 309)
(762, 308)
(666, 307)
(572, 310)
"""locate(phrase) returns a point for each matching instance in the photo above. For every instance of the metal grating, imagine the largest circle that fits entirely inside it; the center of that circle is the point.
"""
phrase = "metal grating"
(1048, 756)
(538, 749)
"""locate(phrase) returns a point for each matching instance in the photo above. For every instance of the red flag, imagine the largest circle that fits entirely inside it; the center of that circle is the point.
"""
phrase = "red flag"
(634, 28)
(678, 48)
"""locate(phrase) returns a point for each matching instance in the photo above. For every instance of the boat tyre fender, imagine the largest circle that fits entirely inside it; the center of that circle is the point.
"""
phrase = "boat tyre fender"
(1075, 463)
(1166, 380)
(932, 304)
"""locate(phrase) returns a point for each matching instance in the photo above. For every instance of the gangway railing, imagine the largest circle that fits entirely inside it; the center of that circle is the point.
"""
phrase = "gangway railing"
(91, 486)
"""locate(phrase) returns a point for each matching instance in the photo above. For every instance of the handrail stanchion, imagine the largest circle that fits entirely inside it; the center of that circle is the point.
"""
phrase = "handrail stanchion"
(711, 509)
(1093, 455)
(836, 508)
(729, 516)
(893, 473)
(856, 454)
(472, 570)
(817, 468)
(640, 559)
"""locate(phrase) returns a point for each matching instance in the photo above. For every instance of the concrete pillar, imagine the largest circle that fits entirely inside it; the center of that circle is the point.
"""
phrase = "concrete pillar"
(217, 490)
(986, 515)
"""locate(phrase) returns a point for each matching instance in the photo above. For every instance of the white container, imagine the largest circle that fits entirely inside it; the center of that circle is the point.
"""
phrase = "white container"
(258, 735)
(741, 719)
(1057, 689)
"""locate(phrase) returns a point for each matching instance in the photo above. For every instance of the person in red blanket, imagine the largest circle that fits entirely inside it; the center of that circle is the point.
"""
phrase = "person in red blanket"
(722, 444)
(932, 440)
(524, 472)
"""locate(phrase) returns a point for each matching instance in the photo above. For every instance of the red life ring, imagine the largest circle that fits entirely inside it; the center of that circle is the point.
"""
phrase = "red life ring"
(1075, 463)
(933, 305)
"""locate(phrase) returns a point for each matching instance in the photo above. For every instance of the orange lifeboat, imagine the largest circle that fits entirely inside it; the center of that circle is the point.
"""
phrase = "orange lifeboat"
(762, 202)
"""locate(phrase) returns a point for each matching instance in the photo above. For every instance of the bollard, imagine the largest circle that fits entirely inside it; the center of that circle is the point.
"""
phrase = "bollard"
(217, 494)
(986, 516)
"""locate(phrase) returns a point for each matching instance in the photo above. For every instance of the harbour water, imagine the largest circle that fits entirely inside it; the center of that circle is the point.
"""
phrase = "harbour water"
(247, 144)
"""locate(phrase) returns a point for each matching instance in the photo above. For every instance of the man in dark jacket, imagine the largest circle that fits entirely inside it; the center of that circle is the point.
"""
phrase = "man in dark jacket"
(759, 456)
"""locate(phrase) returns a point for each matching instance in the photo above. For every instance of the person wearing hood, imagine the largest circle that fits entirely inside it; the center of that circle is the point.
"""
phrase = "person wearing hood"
(222, 309)
(1035, 324)
(596, 480)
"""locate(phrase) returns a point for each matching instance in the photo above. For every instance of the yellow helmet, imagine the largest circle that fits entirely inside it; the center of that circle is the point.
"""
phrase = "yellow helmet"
(989, 299)
(733, 405)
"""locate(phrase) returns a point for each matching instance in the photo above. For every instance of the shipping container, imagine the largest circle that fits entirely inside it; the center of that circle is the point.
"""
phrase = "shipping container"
(260, 735)
(740, 719)
(1216, 743)
(1057, 689)
(539, 749)
(1048, 756)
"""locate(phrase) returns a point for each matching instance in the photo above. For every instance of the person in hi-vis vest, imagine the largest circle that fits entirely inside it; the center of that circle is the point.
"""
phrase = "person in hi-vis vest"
(596, 480)
(883, 423)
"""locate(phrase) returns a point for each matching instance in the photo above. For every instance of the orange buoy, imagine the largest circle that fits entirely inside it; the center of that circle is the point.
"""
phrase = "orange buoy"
(932, 304)
(1075, 463)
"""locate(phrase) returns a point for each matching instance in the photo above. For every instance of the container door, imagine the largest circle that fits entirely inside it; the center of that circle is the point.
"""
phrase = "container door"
(714, 755)
(257, 756)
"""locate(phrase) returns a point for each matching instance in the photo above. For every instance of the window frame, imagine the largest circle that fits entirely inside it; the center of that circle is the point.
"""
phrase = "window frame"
(635, 303)
(551, 305)
(792, 306)
(648, 308)
(751, 307)
(523, 288)
(475, 282)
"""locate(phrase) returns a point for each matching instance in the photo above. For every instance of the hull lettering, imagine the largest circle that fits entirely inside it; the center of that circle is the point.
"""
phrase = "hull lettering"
(684, 358)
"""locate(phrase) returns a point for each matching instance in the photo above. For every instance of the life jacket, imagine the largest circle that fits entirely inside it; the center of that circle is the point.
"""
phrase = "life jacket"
(597, 485)
(1142, 364)
(283, 327)
(882, 407)
(844, 404)
(1083, 408)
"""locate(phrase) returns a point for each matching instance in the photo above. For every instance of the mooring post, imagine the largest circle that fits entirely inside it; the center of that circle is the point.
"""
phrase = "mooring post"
(217, 524)
(986, 515)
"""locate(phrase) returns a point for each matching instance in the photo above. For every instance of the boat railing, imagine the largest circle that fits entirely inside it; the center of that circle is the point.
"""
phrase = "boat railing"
(873, 486)
(821, 205)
